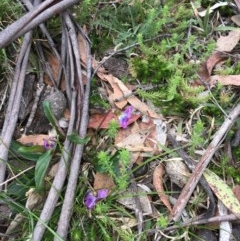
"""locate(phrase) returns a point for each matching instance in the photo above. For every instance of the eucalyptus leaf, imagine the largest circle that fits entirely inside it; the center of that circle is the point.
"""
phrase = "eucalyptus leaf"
(222, 191)
(41, 167)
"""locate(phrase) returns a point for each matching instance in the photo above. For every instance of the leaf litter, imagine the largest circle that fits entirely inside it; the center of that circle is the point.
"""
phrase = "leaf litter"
(142, 138)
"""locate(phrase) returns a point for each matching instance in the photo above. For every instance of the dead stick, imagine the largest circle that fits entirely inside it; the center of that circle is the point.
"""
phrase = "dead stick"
(66, 212)
(32, 19)
(14, 103)
(59, 180)
(202, 164)
(228, 218)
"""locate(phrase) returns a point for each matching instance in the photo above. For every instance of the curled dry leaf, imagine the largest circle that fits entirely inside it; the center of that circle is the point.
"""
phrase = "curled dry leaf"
(207, 67)
(120, 90)
(54, 65)
(177, 171)
(34, 199)
(212, 8)
(135, 141)
(225, 80)
(237, 3)
(103, 180)
(236, 19)
(127, 199)
(33, 139)
(142, 107)
(228, 43)
(101, 120)
(158, 184)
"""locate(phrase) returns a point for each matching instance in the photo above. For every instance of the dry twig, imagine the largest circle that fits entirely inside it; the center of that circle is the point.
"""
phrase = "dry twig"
(204, 161)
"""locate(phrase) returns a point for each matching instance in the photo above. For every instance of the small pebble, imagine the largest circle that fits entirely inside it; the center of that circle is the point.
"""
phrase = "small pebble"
(58, 103)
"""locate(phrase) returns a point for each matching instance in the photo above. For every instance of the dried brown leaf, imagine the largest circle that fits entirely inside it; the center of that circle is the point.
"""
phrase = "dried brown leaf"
(33, 139)
(120, 90)
(228, 43)
(101, 120)
(127, 199)
(54, 65)
(103, 180)
(158, 184)
(142, 107)
(117, 91)
(236, 19)
(225, 80)
(135, 141)
(207, 67)
(177, 171)
(236, 191)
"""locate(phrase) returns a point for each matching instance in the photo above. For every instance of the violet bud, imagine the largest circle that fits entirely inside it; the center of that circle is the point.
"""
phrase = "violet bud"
(91, 199)
(125, 116)
(49, 144)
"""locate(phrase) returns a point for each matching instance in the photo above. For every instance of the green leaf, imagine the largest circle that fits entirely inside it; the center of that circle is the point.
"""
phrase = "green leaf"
(222, 191)
(226, 28)
(50, 116)
(75, 138)
(31, 153)
(41, 167)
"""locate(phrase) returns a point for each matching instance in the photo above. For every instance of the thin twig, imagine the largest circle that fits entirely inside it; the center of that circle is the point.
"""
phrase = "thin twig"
(188, 223)
(191, 164)
(34, 107)
(15, 176)
(77, 63)
(202, 164)
(58, 181)
(64, 220)
(14, 103)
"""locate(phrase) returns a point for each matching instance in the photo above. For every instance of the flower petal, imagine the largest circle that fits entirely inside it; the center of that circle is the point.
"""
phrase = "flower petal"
(90, 200)
(101, 194)
(125, 116)
(49, 144)
(128, 111)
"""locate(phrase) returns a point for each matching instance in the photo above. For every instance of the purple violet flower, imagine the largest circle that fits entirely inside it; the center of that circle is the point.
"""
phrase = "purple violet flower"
(91, 199)
(125, 116)
(49, 144)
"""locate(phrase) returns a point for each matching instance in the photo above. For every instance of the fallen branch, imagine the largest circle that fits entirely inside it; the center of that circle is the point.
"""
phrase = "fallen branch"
(64, 220)
(188, 223)
(38, 15)
(14, 104)
(202, 164)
